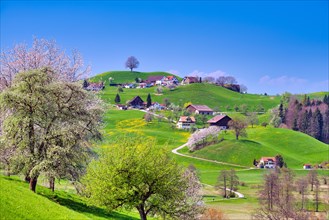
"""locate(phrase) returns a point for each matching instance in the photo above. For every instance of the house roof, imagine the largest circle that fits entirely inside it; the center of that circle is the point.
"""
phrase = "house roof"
(192, 79)
(203, 108)
(154, 78)
(96, 85)
(170, 77)
(307, 164)
(185, 119)
(267, 158)
(217, 118)
(136, 97)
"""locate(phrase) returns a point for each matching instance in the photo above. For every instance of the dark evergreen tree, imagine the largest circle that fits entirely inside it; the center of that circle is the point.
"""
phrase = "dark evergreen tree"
(117, 99)
(308, 102)
(282, 113)
(303, 122)
(85, 84)
(325, 130)
(317, 124)
(326, 99)
(149, 101)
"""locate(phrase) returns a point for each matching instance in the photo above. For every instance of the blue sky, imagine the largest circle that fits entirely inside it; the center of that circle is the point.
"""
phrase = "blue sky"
(270, 46)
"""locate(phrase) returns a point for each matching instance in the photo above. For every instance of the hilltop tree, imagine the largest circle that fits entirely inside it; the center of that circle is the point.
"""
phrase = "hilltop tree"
(132, 63)
(49, 125)
(144, 177)
(239, 127)
(148, 100)
(117, 98)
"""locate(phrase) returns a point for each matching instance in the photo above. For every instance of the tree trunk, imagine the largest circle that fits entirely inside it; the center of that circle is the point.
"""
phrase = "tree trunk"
(141, 211)
(225, 187)
(27, 178)
(33, 183)
(237, 136)
(52, 183)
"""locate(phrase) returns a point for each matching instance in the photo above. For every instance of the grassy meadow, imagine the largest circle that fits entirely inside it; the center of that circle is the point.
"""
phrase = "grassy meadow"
(198, 93)
(18, 202)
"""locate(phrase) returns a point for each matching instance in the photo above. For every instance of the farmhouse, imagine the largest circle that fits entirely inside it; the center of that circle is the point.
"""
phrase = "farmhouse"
(220, 120)
(186, 122)
(307, 166)
(136, 102)
(200, 109)
(267, 162)
(189, 80)
(169, 80)
(156, 80)
(95, 86)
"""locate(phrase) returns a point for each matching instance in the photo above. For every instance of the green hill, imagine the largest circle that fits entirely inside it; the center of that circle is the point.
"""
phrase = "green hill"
(18, 202)
(295, 147)
(126, 76)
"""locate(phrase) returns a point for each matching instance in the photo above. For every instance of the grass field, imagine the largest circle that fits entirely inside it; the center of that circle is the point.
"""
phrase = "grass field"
(199, 93)
(18, 202)
(296, 148)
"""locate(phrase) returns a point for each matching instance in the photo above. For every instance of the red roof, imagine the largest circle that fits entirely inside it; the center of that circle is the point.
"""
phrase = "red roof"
(217, 118)
(267, 158)
(154, 78)
(203, 108)
(185, 119)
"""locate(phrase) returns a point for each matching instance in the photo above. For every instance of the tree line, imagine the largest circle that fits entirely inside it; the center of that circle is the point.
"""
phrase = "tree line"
(308, 116)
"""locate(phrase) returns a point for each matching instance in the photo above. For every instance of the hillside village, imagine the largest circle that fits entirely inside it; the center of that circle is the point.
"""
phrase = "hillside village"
(229, 141)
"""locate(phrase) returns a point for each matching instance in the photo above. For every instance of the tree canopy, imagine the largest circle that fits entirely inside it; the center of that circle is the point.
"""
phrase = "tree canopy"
(134, 173)
(48, 126)
(132, 63)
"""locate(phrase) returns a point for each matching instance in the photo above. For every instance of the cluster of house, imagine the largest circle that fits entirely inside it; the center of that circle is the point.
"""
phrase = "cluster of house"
(159, 81)
(93, 86)
(138, 103)
(270, 163)
(186, 122)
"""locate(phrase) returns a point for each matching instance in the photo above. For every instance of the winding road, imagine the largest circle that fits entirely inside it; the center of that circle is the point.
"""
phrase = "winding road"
(239, 195)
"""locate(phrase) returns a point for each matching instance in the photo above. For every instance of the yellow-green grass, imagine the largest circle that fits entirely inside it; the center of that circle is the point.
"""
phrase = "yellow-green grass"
(18, 202)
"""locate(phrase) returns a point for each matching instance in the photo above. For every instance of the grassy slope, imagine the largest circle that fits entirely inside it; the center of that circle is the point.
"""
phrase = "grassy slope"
(295, 147)
(18, 202)
(127, 76)
(207, 94)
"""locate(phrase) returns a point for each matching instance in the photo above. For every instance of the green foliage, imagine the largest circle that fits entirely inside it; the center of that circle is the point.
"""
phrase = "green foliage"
(134, 173)
(49, 125)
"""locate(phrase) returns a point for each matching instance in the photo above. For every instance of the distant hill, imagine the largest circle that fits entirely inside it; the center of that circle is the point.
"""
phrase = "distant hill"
(127, 76)
(295, 147)
(198, 93)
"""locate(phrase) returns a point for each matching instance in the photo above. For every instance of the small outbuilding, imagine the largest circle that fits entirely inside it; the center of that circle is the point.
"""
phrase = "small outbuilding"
(220, 120)
(307, 166)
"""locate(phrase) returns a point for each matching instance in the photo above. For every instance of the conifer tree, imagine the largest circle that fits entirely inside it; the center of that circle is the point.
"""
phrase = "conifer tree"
(317, 124)
(149, 100)
(117, 99)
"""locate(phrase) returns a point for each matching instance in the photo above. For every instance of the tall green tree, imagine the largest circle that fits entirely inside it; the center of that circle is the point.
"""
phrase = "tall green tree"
(148, 100)
(135, 173)
(49, 125)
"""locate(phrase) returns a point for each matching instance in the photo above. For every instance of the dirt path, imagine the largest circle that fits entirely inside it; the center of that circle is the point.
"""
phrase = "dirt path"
(175, 151)
(239, 195)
